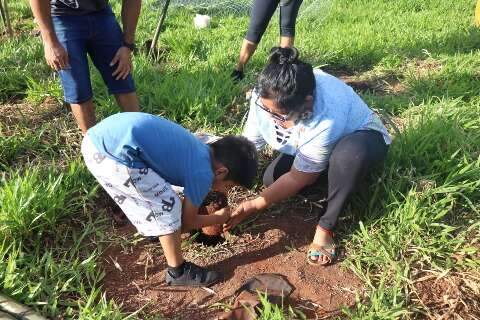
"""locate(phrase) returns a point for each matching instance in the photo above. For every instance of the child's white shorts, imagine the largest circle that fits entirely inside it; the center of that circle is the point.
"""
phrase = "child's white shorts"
(146, 198)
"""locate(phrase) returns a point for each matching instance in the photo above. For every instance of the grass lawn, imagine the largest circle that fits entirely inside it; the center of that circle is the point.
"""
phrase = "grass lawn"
(415, 236)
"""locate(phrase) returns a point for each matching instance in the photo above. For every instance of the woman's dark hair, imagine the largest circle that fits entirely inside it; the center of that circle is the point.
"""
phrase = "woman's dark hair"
(239, 155)
(286, 79)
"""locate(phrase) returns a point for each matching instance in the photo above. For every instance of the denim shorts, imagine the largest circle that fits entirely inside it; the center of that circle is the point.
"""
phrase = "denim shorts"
(98, 35)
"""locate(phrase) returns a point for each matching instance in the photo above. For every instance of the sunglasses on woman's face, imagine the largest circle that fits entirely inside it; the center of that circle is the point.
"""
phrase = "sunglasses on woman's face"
(276, 116)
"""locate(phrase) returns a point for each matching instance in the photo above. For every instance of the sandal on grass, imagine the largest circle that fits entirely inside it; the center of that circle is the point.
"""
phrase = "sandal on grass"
(315, 250)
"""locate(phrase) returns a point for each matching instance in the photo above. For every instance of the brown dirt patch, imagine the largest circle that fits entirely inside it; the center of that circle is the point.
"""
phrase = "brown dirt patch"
(424, 67)
(378, 84)
(275, 242)
(452, 296)
(30, 115)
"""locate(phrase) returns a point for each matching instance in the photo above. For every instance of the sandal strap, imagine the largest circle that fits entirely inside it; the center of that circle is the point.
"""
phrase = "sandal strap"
(318, 251)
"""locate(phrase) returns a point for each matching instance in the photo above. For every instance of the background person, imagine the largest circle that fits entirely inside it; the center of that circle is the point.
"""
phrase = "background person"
(262, 12)
(73, 29)
(325, 134)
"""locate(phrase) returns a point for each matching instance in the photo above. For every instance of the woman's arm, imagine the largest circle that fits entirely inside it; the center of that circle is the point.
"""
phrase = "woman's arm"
(284, 187)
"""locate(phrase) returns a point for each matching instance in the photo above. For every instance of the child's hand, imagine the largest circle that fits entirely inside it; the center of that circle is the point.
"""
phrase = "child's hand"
(224, 215)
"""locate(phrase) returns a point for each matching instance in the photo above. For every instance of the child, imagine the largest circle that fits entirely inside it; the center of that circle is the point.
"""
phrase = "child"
(136, 157)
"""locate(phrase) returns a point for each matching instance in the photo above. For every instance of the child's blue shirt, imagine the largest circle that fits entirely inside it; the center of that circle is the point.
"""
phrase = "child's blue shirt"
(140, 140)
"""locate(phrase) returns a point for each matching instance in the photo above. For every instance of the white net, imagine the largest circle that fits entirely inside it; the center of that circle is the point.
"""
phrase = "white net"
(314, 9)
(235, 7)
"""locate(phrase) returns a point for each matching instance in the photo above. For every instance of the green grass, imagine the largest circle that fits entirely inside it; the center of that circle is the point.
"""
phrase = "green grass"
(422, 216)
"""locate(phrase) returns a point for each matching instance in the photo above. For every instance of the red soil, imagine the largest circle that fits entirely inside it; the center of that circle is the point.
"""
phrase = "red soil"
(276, 243)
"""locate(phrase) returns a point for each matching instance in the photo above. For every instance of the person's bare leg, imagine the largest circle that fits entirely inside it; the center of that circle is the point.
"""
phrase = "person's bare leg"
(286, 42)
(128, 101)
(172, 248)
(84, 114)
(246, 52)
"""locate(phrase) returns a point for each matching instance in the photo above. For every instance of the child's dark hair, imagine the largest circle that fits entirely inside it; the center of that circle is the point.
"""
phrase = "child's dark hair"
(239, 155)
(286, 79)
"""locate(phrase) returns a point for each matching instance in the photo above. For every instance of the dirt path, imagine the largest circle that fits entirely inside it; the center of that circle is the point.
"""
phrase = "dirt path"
(276, 242)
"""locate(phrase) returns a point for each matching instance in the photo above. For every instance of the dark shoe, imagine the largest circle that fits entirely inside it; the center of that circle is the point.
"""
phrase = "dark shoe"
(193, 276)
(237, 75)
(153, 239)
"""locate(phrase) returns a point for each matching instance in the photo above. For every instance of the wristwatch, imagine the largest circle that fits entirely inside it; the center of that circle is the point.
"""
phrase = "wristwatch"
(130, 46)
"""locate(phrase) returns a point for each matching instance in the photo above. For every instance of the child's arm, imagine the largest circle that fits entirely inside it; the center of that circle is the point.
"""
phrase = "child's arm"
(192, 220)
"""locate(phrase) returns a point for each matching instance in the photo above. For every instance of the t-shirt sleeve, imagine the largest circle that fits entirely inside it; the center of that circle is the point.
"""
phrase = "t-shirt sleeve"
(251, 130)
(313, 156)
(198, 186)
(313, 162)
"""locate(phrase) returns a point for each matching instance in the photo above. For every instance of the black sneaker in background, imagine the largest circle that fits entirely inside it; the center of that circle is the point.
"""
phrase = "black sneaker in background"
(193, 276)
(237, 76)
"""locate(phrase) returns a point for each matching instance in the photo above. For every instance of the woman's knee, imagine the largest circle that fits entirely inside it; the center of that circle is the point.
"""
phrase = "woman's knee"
(349, 152)
(278, 167)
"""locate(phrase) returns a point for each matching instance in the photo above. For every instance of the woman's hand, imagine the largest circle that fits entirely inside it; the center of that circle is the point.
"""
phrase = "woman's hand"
(244, 210)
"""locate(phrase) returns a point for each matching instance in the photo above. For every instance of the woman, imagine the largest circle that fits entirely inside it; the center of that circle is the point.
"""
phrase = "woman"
(324, 132)
(262, 12)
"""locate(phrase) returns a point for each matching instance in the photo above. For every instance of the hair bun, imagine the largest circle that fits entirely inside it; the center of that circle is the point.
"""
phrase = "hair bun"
(280, 55)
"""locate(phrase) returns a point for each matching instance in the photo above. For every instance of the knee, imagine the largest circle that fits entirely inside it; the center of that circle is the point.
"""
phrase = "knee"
(348, 157)
(268, 178)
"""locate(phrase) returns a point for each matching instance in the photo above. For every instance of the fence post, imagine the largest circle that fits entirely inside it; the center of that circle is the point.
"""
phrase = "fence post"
(159, 27)
(6, 17)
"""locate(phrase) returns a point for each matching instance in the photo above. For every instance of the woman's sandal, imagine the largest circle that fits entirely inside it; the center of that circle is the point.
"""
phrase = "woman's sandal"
(318, 251)
(328, 250)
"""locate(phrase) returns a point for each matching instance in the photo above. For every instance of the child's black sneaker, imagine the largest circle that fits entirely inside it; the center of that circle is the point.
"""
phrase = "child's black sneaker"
(153, 239)
(237, 75)
(193, 276)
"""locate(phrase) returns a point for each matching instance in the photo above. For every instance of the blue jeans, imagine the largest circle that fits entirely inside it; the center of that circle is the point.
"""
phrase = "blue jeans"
(98, 35)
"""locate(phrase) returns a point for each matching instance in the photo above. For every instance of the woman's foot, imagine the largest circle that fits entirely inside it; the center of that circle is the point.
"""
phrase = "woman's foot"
(322, 251)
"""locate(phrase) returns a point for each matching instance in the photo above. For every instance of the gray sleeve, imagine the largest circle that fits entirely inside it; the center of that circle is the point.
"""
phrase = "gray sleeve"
(305, 163)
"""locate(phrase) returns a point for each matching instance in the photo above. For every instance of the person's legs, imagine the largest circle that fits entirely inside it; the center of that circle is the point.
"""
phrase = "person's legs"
(288, 18)
(72, 32)
(247, 50)
(287, 42)
(282, 164)
(262, 12)
(171, 245)
(102, 47)
(128, 101)
(352, 159)
(84, 114)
